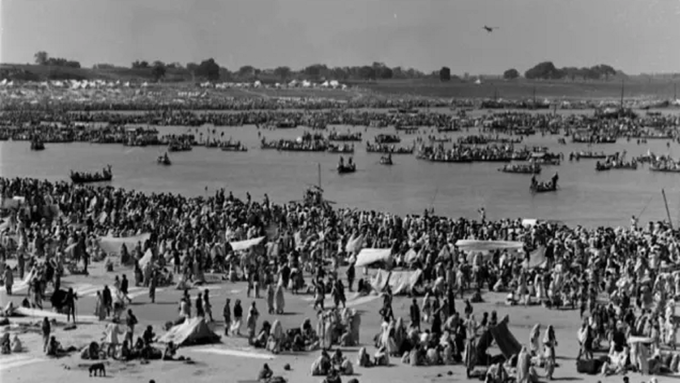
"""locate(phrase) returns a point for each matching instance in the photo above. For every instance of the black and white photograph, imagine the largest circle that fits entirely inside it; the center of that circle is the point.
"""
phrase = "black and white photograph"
(339, 191)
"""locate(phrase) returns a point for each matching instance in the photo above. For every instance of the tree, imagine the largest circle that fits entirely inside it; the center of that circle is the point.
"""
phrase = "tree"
(158, 70)
(282, 72)
(445, 74)
(246, 72)
(511, 74)
(208, 69)
(366, 73)
(140, 64)
(192, 67)
(41, 58)
(545, 71)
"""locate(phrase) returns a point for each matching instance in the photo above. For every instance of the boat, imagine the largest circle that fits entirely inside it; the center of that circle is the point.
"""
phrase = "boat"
(625, 165)
(664, 168)
(333, 136)
(37, 145)
(350, 167)
(587, 155)
(84, 178)
(233, 147)
(386, 160)
(544, 187)
(387, 139)
(164, 160)
(344, 148)
(286, 124)
(521, 168)
(602, 167)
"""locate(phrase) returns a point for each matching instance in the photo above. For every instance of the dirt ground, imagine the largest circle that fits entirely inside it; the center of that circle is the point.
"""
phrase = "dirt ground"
(32, 365)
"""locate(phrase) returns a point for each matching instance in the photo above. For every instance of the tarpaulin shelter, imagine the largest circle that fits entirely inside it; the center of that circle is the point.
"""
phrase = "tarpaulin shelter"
(500, 333)
(247, 244)
(112, 245)
(474, 245)
(537, 258)
(369, 256)
(192, 331)
(354, 244)
(400, 282)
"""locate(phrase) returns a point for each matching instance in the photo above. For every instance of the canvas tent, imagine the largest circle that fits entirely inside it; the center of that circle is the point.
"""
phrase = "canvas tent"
(400, 282)
(370, 256)
(247, 244)
(192, 331)
(474, 245)
(112, 245)
(500, 333)
(537, 258)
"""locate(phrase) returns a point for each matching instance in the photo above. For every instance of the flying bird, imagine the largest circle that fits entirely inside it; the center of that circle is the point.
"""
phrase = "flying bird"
(490, 29)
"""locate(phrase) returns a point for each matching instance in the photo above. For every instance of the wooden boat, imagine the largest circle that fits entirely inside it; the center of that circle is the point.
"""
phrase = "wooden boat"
(37, 145)
(347, 168)
(356, 137)
(340, 149)
(625, 166)
(387, 139)
(286, 124)
(163, 160)
(589, 155)
(602, 167)
(661, 169)
(543, 188)
(386, 160)
(521, 169)
(84, 178)
(233, 147)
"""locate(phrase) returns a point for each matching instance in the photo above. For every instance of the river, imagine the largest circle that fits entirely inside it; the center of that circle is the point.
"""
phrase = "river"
(585, 196)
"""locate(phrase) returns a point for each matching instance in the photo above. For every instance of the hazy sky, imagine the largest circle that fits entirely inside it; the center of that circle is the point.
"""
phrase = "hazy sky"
(632, 35)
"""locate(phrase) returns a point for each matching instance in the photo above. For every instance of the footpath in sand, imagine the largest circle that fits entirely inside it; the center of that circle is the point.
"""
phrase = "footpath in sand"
(233, 360)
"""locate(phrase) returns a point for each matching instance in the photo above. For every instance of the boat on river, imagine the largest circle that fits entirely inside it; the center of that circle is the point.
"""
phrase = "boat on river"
(37, 145)
(542, 186)
(164, 160)
(84, 178)
(532, 168)
(386, 160)
(349, 167)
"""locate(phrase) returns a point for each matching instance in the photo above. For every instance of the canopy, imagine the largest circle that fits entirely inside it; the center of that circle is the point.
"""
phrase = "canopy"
(112, 245)
(354, 244)
(537, 258)
(474, 245)
(192, 331)
(400, 282)
(247, 244)
(506, 342)
(148, 256)
(369, 256)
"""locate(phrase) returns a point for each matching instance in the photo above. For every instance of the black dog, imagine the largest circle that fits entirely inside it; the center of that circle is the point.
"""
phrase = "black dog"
(98, 368)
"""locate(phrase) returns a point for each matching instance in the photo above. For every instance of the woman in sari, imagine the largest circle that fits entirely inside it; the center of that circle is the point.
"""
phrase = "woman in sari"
(549, 343)
(534, 339)
(280, 301)
(523, 364)
(99, 309)
(470, 356)
(251, 321)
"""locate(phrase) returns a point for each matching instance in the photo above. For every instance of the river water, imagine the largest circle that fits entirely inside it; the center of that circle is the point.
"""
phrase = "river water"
(585, 196)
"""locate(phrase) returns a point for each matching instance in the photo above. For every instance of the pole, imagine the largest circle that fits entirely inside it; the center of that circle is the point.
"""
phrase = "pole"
(319, 174)
(668, 213)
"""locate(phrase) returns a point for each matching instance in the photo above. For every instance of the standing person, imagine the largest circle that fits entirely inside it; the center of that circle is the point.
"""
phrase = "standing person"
(99, 309)
(199, 305)
(152, 287)
(351, 273)
(238, 317)
(9, 280)
(207, 306)
(46, 330)
(414, 311)
(124, 283)
(549, 344)
(70, 304)
(226, 313)
(251, 322)
(107, 299)
(131, 321)
(177, 262)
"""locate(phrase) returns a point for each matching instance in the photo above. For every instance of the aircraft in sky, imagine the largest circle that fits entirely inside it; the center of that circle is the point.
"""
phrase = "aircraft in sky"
(490, 29)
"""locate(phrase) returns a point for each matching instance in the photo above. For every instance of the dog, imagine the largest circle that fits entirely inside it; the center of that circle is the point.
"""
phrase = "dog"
(98, 368)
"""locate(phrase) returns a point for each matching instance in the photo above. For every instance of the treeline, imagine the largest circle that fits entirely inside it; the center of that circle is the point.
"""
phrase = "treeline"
(548, 71)
(43, 58)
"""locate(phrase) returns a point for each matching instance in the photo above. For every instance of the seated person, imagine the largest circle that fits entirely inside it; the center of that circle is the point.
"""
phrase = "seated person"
(125, 352)
(333, 377)
(170, 351)
(381, 357)
(5, 346)
(432, 356)
(265, 373)
(322, 365)
(54, 348)
(148, 336)
(496, 374)
(363, 359)
(261, 340)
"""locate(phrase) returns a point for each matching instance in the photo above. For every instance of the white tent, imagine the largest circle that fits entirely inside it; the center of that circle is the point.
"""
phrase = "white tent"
(369, 256)
(474, 245)
(306, 84)
(247, 244)
(334, 83)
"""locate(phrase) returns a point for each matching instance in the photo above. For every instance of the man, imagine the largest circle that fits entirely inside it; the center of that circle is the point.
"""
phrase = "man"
(70, 304)
(9, 280)
(152, 287)
(351, 273)
(46, 330)
(107, 300)
(124, 283)
(131, 321)
(415, 314)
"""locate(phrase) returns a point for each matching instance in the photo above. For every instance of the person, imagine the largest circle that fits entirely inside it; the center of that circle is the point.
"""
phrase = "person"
(414, 312)
(131, 322)
(9, 280)
(124, 283)
(265, 373)
(148, 336)
(152, 287)
(350, 276)
(70, 305)
(46, 330)
(226, 313)
(107, 299)
(199, 305)
(251, 321)
(99, 309)
(238, 317)
(207, 306)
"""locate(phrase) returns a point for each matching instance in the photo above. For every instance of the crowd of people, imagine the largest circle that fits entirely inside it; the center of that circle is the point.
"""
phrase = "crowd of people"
(56, 223)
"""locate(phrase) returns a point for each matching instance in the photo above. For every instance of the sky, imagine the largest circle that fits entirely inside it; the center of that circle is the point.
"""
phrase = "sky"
(632, 35)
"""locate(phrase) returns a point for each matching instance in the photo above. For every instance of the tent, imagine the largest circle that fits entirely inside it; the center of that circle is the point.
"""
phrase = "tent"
(369, 256)
(112, 245)
(400, 282)
(191, 331)
(148, 256)
(354, 244)
(537, 258)
(247, 244)
(474, 245)
(500, 333)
